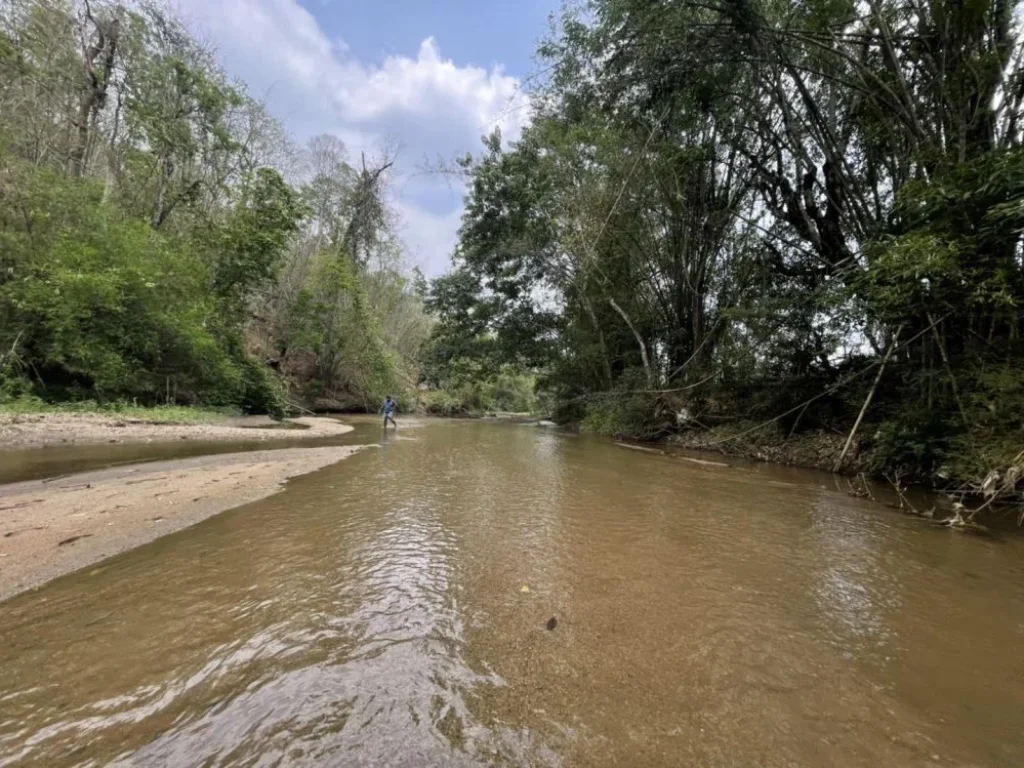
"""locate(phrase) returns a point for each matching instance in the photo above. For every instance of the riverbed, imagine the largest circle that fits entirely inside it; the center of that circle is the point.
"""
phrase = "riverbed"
(474, 593)
(59, 525)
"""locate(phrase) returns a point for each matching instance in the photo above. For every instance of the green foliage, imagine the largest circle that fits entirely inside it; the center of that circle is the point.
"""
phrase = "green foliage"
(344, 320)
(469, 392)
(510, 391)
(98, 305)
(732, 219)
(158, 414)
(914, 445)
(729, 219)
(258, 389)
(248, 249)
(726, 217)
(624, 413)
(620, 416)
(331, 317)
(443, 402)
(475, 323)
(148, 251)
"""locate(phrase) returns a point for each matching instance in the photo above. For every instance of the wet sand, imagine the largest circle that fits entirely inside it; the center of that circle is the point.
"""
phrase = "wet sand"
(40, 430)
(52, 527)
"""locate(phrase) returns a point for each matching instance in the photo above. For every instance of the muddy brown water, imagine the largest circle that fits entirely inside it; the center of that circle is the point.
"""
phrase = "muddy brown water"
(377, 613)
(53, 460)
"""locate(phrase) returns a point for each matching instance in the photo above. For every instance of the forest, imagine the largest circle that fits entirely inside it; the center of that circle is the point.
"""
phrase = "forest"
(163, 239)
(741, 222)
(734, 224)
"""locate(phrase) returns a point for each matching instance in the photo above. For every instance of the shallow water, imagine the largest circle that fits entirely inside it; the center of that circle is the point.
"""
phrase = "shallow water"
(377, 613)
(54, 460)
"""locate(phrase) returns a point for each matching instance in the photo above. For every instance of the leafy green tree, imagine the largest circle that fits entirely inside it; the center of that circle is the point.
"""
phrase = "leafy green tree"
(734, 209)
(247, 251)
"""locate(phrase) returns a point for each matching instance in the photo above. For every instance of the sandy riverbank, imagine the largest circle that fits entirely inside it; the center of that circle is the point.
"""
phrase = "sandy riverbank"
(39, 430)
(52, 527)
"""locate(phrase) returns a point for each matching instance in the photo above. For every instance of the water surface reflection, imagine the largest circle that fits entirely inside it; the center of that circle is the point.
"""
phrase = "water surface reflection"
(375, 613)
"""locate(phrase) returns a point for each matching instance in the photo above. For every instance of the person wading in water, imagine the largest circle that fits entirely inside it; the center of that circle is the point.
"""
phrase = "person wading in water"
(388, 409)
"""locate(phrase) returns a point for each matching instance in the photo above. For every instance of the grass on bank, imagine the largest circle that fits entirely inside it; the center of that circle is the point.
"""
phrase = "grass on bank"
(157, 414)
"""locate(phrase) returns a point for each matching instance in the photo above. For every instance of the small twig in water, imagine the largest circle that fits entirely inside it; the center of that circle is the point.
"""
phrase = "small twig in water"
(896, 481)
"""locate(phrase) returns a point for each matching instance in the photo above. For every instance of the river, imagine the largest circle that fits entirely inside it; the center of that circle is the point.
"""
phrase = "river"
(394, 609)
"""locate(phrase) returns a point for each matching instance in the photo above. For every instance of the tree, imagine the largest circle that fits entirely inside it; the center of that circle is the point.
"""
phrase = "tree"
(729, 209)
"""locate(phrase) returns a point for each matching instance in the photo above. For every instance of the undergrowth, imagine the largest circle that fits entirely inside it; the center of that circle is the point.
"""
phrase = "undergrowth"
(157, 414)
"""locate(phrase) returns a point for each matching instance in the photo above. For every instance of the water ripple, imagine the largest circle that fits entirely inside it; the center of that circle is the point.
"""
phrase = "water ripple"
(392, 610)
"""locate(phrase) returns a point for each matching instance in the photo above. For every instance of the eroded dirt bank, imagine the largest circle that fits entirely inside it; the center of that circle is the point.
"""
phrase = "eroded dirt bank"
(38, 430)
(52, 527)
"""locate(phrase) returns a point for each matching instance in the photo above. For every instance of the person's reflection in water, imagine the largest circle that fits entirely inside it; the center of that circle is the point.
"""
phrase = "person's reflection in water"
(386, 440)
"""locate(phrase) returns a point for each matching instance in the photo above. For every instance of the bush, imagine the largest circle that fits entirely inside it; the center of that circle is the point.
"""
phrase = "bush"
(154, 414)
(509, 391)
(105, 308)
(463, 401)
(915, 445)
(441, 402)
(622, 415)
(626, 412)
(474, 388)
(331, 320)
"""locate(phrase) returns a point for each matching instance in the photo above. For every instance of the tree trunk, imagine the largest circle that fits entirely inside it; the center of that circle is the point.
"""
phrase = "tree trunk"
(159, 210)
(867, 401)
(605, 361)
(98, 60)
(639, 341)
(112, 175)
(949, 369)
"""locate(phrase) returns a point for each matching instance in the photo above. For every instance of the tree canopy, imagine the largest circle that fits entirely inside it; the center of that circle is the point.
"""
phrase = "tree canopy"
(734, 210)
(162, 238)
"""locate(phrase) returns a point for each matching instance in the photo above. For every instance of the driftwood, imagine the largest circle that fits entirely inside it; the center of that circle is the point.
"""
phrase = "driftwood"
(639, 448)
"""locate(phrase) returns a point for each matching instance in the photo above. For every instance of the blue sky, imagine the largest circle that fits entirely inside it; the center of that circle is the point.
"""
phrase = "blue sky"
(431, 77)
(481, 32)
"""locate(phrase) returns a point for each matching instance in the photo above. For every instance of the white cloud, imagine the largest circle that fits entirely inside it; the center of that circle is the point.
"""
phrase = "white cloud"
(422, 85)
(429, 104)
(430, 238)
